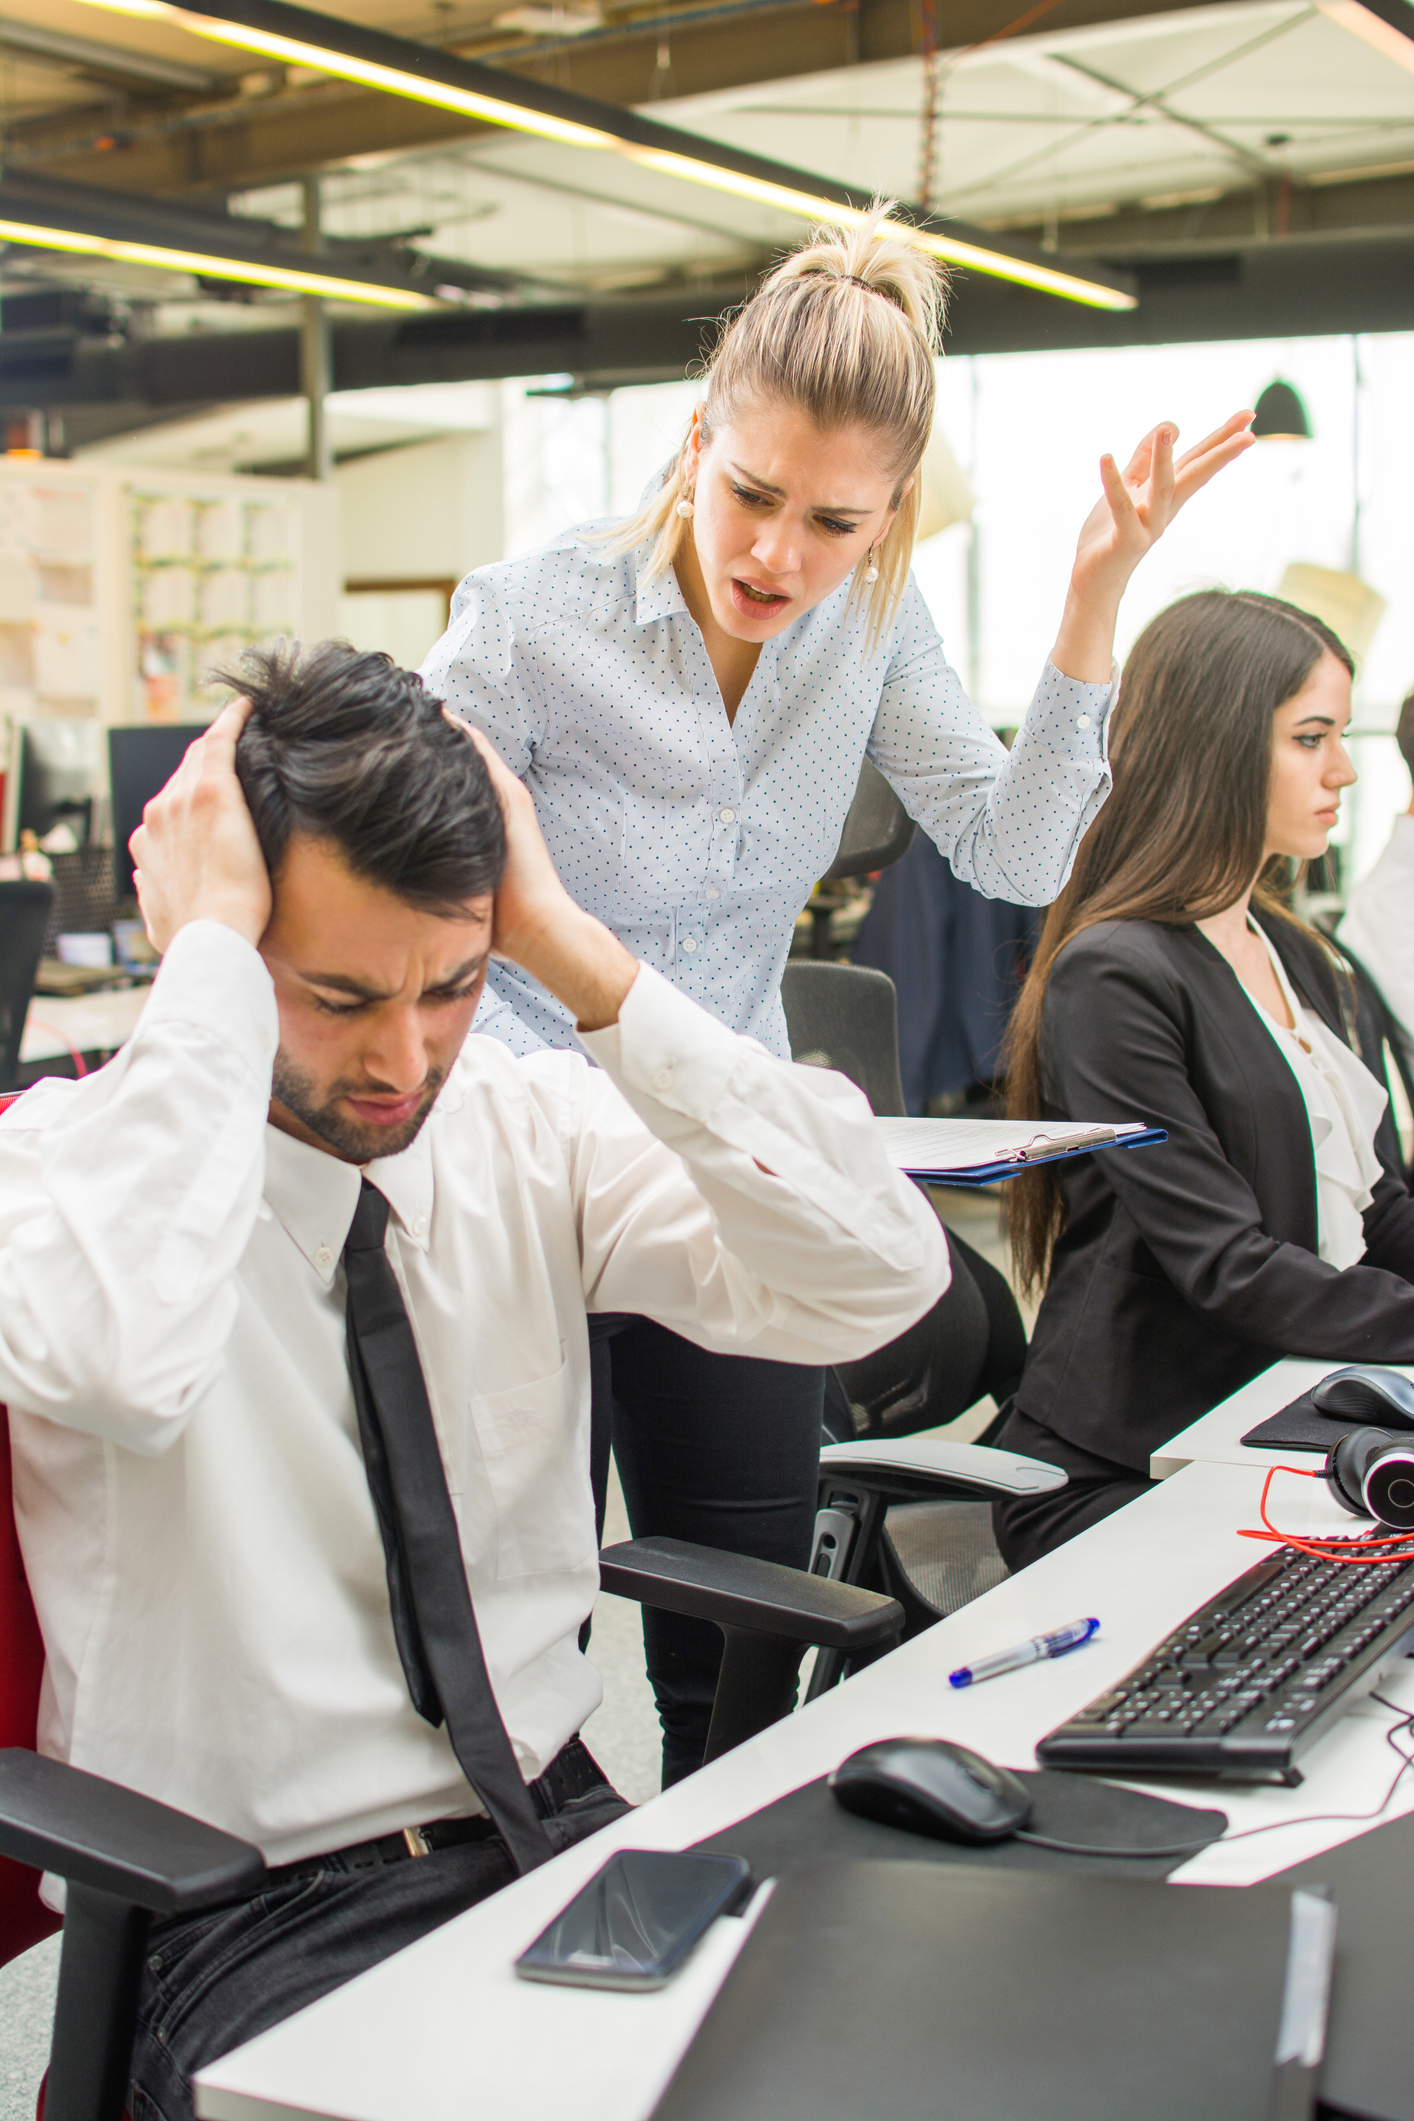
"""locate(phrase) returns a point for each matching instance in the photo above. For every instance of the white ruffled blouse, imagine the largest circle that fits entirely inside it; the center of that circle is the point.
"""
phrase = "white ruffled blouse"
(1344, 1105)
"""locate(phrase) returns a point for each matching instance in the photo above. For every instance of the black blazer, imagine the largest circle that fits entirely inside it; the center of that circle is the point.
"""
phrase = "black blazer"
(1187, 1268)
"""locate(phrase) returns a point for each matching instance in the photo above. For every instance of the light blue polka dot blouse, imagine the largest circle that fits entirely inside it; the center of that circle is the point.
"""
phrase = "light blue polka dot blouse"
(697, 841)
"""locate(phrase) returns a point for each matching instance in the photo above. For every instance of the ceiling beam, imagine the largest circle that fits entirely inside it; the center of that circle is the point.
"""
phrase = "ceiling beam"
(1305, 286)
(110, 61)
(1349, 206)
(264, 141)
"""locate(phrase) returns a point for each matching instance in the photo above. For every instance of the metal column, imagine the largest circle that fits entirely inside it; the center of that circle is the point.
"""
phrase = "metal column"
(314, 352)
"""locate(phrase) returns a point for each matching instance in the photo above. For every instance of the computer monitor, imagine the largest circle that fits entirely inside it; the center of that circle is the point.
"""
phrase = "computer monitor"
(56, 777)
(140, 761)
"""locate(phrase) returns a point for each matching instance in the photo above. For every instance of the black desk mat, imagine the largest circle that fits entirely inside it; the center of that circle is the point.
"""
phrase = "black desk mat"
(808, 1826)
(1298, 1427)
(1369, 2061)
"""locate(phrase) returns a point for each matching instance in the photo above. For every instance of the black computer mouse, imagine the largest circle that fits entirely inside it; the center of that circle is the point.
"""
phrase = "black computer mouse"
(931, 1786)
(1364, 1392)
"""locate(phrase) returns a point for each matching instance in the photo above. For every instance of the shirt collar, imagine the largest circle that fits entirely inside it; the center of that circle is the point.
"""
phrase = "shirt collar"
(313, 1195)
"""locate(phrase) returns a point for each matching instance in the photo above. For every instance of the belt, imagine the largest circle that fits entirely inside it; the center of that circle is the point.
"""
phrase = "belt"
(574, 1772)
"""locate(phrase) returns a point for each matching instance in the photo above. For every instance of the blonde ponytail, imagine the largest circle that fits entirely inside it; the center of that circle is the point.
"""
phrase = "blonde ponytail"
(846, 330)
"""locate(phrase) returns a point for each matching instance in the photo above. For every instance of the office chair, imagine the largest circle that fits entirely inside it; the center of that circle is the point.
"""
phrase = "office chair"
(126, 1858)
(913, 1519)
(24, 916)
(877, 831)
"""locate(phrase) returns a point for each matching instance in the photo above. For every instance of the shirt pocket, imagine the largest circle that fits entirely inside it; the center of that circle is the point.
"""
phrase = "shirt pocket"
(536, 1454)
(666, 850)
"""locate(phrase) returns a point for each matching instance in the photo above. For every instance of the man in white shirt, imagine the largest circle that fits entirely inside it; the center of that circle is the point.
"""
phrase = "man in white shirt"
(191, 1492)
(1378, 927)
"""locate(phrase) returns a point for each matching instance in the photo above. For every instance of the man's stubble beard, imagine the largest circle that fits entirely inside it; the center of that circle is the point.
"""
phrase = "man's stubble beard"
(356, 1144)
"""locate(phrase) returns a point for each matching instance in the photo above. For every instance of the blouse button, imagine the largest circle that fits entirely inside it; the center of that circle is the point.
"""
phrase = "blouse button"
(713, 892)
(727, 815)
(323, 1257)
(689, 943)
(662, 1080)
(1082, 721)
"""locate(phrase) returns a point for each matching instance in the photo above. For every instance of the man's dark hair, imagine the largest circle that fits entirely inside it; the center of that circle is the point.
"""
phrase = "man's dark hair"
(344, 746)
(1404, 732)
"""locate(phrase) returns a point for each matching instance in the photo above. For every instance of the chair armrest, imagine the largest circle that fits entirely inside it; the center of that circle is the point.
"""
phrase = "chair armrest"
(922, 1469)
(95, 1833)
(735, 1591)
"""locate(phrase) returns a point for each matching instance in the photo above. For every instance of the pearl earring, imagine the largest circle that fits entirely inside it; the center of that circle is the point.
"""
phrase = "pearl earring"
(871, 572)
(686, 509)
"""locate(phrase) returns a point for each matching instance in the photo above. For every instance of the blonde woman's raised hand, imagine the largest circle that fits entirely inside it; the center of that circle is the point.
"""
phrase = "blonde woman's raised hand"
(1132, 514)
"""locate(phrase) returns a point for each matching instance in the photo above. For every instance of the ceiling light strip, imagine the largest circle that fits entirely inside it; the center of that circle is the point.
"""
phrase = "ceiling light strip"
(289, 279)
(713, 167)
(1389, 31)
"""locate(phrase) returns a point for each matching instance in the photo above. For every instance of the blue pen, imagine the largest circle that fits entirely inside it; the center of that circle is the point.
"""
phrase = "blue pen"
(1056, 1645)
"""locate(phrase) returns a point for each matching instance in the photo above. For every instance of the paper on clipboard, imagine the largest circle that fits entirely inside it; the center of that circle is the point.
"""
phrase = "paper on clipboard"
(928, 1148)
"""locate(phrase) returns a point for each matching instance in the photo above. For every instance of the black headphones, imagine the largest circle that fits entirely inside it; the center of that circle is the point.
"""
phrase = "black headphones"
(1371, 1474)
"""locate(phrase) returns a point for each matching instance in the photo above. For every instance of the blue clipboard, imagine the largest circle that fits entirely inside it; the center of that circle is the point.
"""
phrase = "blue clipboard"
(1012, 1167)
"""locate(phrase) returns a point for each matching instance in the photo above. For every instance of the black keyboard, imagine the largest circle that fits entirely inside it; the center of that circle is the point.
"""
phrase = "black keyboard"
(1251, 1679)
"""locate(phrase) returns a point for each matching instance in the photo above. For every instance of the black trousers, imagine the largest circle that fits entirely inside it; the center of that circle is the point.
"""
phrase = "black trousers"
(1028, 1526)
(724, 1450)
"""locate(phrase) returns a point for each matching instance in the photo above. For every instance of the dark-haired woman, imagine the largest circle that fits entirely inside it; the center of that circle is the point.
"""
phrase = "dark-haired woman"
(1173, 986)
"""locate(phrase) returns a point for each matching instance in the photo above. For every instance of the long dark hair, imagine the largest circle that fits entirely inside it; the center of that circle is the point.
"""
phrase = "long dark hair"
(1183, 833)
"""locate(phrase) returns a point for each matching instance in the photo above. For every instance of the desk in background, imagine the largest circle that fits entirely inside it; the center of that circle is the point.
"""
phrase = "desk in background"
(445, 2030)
(1216, 1437)
(85, 1023)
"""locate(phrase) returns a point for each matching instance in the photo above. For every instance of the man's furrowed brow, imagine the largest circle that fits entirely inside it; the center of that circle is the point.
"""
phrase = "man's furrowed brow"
(365, 991)
(463, 973)
(344, 983)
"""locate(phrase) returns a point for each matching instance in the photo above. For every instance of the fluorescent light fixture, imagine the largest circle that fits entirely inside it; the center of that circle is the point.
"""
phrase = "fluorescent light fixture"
(422, 74)
(1383, 28)
(290, 279)
(1026, 272)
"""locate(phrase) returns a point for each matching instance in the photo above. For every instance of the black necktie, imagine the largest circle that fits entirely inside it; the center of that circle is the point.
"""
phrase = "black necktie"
(433, 1621)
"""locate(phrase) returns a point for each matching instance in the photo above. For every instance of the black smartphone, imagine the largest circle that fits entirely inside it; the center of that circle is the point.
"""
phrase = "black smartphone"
(637, 1919)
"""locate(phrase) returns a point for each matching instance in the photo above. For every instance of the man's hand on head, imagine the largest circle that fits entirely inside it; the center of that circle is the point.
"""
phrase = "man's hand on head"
(195, 853)
(539, 926)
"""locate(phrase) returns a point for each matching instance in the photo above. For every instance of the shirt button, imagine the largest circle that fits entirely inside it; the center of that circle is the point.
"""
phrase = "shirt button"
(663, 1078)
(712, 891)
(727, 815)
(419, 1226)
(1082, 721)
(689, 943)
(323, 1257)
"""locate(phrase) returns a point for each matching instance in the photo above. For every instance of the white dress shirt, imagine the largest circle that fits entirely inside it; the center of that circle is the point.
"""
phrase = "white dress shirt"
(190, 1494)
(1344, 1106)
(1379, 925)
(698, 840)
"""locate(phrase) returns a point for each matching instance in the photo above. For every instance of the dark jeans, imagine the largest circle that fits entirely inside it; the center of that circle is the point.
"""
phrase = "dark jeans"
(1028, 1526)
(722, 1450)
(217, 1979)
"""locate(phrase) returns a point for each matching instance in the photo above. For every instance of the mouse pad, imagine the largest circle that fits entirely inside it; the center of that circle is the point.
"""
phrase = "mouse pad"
(809, 1827)
(1299, 1427)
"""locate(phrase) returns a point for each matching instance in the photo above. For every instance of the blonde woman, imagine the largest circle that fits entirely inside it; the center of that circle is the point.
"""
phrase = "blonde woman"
(689, 694)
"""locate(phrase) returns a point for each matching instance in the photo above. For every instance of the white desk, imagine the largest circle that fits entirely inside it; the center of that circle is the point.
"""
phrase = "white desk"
(1216, 1437)
(444, 2030)
(90, 1023)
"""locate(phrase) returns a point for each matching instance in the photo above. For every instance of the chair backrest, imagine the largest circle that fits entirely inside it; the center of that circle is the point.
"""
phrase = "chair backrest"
(846, 1017)
(23, 1917)
(877, 831)
(24, 916)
